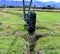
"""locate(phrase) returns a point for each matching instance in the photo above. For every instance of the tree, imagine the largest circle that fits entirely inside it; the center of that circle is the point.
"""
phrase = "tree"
(50, 7)
(4, 6)
(11, 6)
(34, 6)
(43, 8)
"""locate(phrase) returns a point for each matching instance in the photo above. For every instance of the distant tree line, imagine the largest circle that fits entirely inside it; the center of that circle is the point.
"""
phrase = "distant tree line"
(35, 7)
(45, 7)
(11, 6)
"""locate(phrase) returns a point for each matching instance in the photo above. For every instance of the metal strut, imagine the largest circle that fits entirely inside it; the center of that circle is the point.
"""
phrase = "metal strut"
(28, 8)
(24, 8)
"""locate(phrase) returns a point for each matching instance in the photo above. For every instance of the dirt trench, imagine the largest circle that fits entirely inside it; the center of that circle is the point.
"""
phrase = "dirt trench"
(32, 40)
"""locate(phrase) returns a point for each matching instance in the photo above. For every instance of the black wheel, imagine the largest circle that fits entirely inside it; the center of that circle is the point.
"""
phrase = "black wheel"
(32, 22)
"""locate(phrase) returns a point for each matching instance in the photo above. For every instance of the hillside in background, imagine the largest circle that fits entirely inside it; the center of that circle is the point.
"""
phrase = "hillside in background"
(37, 3)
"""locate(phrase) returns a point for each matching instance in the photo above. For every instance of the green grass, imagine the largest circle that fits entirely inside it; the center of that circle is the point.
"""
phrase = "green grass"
(9, 43)
(50, 44)
(8, 46)
(55, 51)
(47, 22)
(48, 17)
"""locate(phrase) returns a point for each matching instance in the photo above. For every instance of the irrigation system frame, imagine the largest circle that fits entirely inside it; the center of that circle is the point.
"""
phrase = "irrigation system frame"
(28, 8)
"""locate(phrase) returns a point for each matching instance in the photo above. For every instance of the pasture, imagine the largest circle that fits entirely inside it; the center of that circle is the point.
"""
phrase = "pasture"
(13, 32)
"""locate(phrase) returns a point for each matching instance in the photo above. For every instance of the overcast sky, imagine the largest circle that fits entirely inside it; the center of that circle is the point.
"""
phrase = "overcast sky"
(44, 0)
(38, 0)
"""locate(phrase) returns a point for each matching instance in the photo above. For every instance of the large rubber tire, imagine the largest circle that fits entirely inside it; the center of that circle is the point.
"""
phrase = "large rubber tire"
(32, 23)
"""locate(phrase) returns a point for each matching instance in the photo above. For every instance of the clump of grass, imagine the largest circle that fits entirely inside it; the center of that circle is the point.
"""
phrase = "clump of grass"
(54, 51)
(1, 29)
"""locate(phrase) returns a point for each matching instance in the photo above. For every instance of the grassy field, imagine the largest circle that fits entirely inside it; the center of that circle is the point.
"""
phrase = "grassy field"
(12, 31)
(11, 41)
